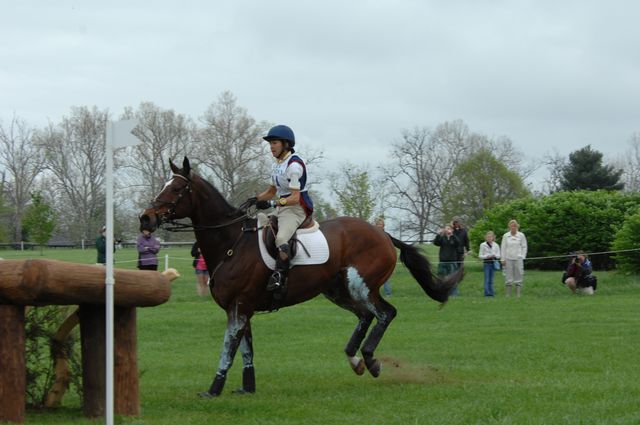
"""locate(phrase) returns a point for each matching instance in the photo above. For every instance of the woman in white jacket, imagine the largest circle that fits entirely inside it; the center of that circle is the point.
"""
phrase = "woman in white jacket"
(513, 253)
(489, 252)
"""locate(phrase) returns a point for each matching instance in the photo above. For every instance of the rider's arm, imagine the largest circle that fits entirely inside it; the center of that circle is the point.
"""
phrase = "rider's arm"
(267, 194)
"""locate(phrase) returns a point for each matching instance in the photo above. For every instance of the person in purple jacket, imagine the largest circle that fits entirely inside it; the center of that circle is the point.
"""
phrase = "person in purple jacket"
(148, 248)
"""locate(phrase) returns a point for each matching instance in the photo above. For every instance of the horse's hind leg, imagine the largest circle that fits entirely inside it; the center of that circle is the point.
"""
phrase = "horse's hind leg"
(384, 313)
(357, 364)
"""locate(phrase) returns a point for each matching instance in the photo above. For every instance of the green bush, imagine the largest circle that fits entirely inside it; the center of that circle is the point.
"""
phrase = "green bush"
(562, 222)
(627, 240)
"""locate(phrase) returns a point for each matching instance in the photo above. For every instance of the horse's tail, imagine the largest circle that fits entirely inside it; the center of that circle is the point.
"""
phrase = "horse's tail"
(420, 268)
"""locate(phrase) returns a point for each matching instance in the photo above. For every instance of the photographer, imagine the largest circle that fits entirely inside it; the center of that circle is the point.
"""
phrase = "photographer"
(578, 276)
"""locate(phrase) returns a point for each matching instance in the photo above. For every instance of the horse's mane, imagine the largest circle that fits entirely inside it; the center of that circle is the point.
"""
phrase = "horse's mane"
(225, 204)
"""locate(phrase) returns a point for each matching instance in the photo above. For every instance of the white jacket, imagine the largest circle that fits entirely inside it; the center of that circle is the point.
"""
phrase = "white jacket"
(488, 252)
(514, 247)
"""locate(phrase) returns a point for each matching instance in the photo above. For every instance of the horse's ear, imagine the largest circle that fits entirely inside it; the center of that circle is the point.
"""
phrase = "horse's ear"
(175, 169)
(186, 167)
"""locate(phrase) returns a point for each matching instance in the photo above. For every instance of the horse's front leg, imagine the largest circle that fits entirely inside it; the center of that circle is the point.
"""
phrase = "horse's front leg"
(248, 371)
(236, 326)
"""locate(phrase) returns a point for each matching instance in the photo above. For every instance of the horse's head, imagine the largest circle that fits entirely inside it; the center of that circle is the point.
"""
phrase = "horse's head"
(173, 201)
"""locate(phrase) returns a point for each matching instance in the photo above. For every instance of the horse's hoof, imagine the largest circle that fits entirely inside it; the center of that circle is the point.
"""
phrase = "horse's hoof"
(374, 368)
(207, 394)
(242, 391)
(359, 368)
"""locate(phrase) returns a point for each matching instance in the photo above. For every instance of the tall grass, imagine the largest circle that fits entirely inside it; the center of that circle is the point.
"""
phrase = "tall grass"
(549, 357)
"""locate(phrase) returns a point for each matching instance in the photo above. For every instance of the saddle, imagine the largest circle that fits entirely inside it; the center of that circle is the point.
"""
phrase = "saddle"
(269, 236)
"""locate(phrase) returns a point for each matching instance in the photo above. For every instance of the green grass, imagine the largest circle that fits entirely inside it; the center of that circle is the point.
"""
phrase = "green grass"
(547, 358)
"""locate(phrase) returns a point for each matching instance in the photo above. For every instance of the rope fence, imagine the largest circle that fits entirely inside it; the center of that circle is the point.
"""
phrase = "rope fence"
(168, 258)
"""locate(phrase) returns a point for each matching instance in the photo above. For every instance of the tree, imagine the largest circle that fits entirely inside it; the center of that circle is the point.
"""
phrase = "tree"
(477, 184)
(322, 209)
(585, 171)
(354, 190)
(422, 164)
(39, 221)
(232, 148)
(632, 165)
(23, 161)
(555, 163)
(4, 213)
(75, 157)
(163, 135)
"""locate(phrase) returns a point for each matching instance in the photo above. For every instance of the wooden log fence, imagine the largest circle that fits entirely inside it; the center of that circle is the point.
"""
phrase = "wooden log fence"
(50, 282)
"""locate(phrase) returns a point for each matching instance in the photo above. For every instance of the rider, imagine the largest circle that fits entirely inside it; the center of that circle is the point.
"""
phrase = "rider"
(293, 204)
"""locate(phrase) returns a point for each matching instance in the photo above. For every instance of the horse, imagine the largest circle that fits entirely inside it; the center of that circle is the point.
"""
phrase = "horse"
(361, 258)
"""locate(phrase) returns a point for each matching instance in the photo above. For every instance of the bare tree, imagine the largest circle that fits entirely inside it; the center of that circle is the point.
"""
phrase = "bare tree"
(423, 163)
(232, 148)
(22, 161)
(75, 156)
(555, 164)
(164, 135)
(631, 165)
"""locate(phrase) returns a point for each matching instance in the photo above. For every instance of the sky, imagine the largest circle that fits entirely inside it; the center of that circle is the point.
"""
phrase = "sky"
(348, 77)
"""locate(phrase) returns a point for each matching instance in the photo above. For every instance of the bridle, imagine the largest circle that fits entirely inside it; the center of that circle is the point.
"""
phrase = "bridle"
(184, 227)
(157, 203)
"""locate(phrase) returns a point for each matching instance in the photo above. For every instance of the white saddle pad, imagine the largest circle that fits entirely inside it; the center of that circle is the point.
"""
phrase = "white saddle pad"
(312, 239)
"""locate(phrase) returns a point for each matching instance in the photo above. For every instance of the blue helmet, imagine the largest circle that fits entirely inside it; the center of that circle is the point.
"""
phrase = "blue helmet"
(281, 132)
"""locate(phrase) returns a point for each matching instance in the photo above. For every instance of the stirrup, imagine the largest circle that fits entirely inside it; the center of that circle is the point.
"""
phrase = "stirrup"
(275, 281)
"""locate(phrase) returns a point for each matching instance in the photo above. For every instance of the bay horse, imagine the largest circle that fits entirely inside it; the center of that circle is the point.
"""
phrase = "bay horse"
(361, 258)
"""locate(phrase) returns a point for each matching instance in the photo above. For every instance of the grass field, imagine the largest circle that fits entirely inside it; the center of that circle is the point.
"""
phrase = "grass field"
(547, 358)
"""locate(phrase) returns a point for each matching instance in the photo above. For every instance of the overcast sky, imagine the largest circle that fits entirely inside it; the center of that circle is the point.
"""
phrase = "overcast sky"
(347, 76)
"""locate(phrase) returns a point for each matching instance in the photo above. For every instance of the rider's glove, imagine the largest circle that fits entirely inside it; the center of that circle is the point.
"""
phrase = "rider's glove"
(263, 205)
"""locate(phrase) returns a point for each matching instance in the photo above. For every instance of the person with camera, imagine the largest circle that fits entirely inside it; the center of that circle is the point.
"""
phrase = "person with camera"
(578, 276)
(449, 248)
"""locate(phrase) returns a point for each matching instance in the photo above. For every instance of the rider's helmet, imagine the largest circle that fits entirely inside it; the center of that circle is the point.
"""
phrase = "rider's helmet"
(281, 132)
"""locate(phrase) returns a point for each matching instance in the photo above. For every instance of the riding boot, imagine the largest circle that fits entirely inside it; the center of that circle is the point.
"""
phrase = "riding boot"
(279, 277)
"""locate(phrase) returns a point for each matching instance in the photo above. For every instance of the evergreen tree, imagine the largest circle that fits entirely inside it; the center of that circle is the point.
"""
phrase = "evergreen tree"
(585, 171)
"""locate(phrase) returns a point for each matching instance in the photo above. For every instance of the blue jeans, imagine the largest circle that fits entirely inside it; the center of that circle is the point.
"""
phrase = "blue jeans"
(445, 269)
(489, 272)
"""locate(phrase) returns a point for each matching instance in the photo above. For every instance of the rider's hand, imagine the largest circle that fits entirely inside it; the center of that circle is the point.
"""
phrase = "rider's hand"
(263, 205)
(251, 201)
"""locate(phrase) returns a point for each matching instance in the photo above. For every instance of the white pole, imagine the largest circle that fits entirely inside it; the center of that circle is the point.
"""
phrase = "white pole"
(166, 261)
(118, 135)
(109, 280)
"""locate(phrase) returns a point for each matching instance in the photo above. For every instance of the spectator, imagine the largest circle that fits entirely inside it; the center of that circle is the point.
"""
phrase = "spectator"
(449, 248)
(489, 252)
(513, 252)
(387, 285)
(148, 248)
(101, 246)
(202, 272)
(460, 232)
(578, 276)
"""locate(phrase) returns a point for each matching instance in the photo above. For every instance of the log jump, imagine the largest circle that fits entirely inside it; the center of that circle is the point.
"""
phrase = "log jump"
(39, 282)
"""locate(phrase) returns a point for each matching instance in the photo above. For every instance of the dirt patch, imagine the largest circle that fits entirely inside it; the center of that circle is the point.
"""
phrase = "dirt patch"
(402, 372)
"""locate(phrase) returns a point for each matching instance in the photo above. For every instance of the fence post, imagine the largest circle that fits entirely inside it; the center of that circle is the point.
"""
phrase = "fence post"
(166, 261)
